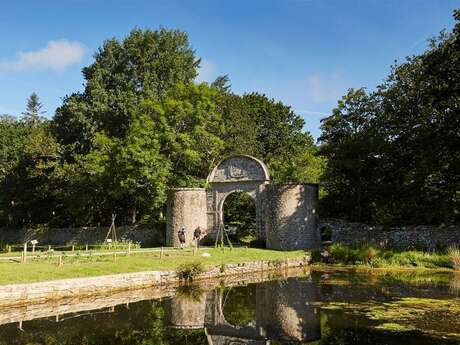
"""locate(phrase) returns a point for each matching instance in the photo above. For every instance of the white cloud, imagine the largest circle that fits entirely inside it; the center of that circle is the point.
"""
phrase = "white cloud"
(57, 56)
(207, 70)
(325, 88)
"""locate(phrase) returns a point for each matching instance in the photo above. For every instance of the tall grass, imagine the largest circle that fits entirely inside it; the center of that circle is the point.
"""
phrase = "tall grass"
(454, 256)
(374, 256)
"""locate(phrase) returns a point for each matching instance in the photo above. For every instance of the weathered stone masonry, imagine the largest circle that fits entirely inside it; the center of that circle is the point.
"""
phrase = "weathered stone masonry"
(285, 214)
(398, 237)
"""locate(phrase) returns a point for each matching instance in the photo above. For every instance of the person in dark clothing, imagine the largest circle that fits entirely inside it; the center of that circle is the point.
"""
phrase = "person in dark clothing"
(181, 236)
(197, 236)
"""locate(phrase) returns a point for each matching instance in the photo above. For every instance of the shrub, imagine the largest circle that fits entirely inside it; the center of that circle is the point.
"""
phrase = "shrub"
(454, 256)
(371, 254)
(342, 254)
(190, 270)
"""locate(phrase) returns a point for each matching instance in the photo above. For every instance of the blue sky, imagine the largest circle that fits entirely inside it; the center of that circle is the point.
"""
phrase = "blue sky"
(306, 53)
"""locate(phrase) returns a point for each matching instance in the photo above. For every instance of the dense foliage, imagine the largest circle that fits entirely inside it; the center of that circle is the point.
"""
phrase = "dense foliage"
(393, 154)
(140, 126)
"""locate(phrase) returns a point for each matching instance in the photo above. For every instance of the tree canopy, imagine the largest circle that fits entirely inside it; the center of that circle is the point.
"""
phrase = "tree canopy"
(393, 153)
(141, 126)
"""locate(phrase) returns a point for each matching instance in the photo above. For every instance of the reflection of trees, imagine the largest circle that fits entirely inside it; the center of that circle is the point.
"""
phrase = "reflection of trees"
(142, 324)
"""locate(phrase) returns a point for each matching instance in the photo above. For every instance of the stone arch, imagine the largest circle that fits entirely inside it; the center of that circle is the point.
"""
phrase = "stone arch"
(245, 168)
(286, 216)
(240, 173)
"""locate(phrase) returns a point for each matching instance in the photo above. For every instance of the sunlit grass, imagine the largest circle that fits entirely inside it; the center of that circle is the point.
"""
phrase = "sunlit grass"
(376, 257)
(82, 266)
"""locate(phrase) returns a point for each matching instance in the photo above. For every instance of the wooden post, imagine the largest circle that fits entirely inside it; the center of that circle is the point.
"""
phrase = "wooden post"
(49, 247)
(24, 260)
(73, 248)
(33, 247)
(60, 261)
(86, 248)
(161, 253)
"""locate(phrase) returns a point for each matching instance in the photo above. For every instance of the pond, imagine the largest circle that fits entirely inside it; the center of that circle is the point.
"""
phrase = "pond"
(317, 307)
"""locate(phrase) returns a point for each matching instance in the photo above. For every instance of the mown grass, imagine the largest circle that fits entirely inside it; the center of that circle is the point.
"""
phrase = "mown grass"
(73, 267)
(373, 256)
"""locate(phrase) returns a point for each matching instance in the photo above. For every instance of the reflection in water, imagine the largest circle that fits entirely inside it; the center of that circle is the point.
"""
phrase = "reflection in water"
(187, 309)
(324, 308)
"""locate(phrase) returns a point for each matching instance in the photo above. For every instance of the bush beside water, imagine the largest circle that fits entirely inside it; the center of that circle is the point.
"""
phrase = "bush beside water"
(189, 271)
(454, 256)
(373, 256)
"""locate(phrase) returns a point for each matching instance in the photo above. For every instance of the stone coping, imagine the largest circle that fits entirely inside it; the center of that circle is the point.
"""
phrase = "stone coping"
(20, 294)
(179, 189)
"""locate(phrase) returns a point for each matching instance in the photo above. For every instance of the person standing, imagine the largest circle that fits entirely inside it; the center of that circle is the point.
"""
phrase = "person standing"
(197, 236)
(181, 236)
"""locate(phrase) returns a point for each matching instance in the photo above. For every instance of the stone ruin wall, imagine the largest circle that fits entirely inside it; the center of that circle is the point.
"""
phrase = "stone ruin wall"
(420, 237)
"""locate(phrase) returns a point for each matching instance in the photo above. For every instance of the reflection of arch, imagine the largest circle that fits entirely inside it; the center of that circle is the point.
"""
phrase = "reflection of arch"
(220, 332)
(284, 312)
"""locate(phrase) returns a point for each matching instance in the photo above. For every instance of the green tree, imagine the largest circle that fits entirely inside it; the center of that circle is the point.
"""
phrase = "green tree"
(190, 130)
(271, 131)
(144, 65)
(130, 173)
(33, 114)
(348, 144)
(30, 190)
(393, 154)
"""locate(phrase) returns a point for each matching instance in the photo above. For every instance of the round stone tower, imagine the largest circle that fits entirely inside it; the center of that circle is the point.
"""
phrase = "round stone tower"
(293, 219)
(186, 208)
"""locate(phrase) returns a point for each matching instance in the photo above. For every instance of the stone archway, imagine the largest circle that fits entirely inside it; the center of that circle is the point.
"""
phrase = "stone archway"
(286, 215)
(237, 174)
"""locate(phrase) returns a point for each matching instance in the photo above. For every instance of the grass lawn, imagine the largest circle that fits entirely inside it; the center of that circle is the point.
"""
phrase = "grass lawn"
(73, 267)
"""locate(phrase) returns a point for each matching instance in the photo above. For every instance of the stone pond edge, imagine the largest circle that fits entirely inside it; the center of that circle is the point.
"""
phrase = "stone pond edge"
(40, 292)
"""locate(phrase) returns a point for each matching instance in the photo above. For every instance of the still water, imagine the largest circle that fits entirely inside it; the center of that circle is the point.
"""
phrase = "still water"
(318, 307)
